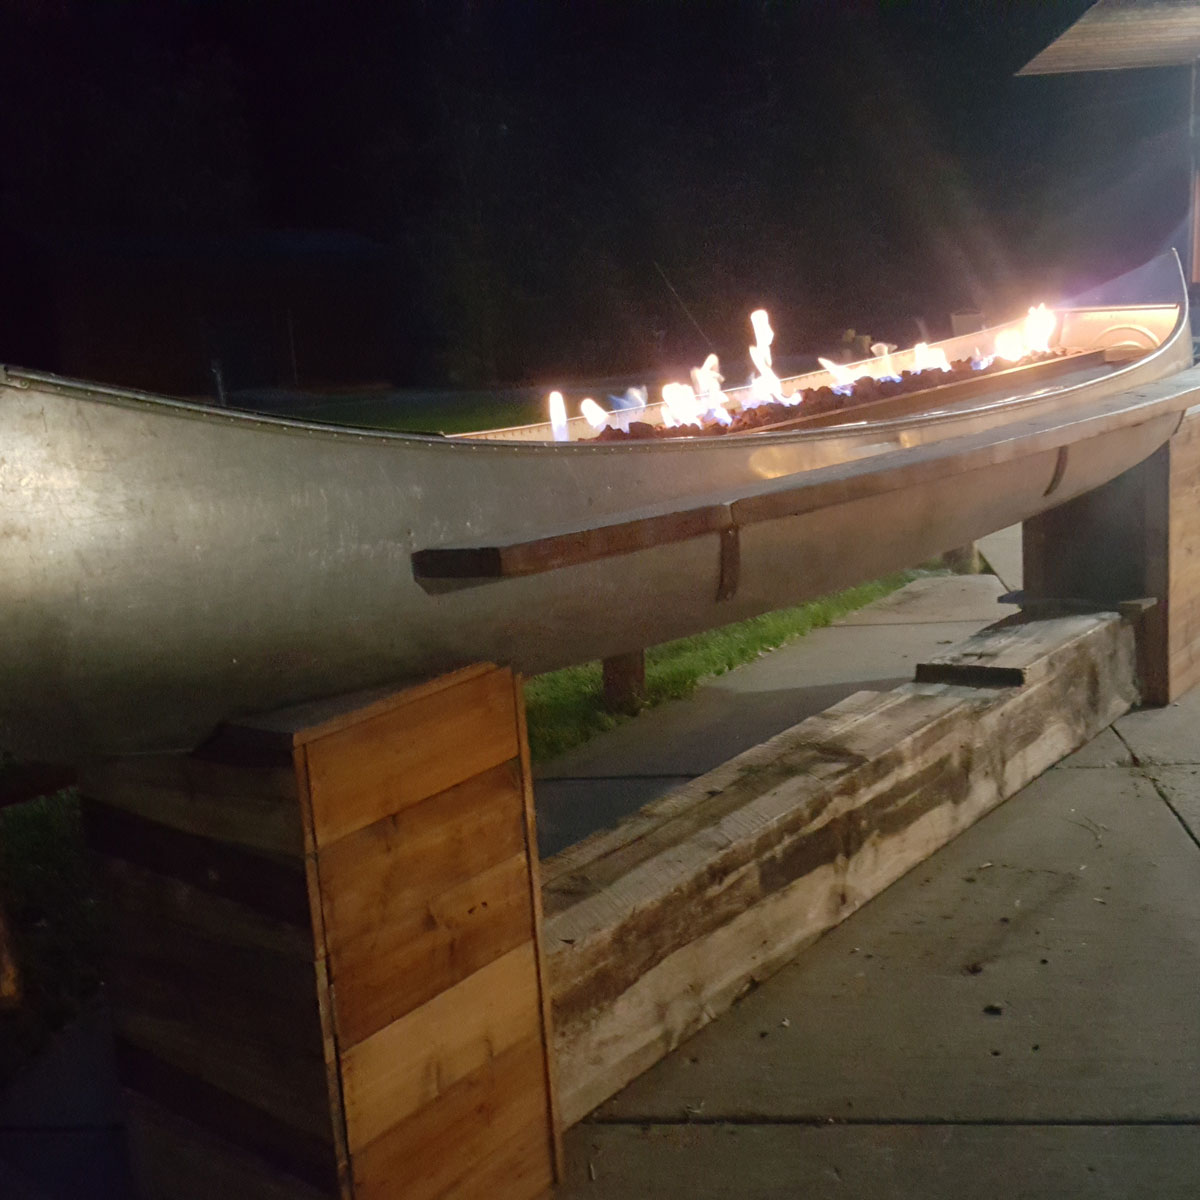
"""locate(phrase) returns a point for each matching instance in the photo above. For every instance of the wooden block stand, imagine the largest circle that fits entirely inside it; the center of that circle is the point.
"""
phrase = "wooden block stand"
(1138, 536)
(327, 977)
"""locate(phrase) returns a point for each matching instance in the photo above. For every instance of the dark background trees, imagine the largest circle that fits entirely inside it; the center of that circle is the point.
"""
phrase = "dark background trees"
(565, 190)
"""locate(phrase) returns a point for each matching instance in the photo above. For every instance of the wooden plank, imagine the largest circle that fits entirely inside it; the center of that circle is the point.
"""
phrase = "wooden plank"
(442, 1148)
(550, 1073)
(407, 960)
(288, 1087)
(253, 808)
(568, 549)
(369, 771)
(516, 1170)
(273, 884)
(1016, 653)
(421, 899)
(625, 682)
(158, 968)
(640, 958)
(1183, 560)
(281, 1147)
(333, 1081)
(173, 1158)
(1137, 536)
(391, 868)
(286, 728)
(411, 1062)
(137, 890)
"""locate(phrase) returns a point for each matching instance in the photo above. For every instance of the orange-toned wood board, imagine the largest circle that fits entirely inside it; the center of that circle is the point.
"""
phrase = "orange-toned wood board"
(1138, 536)
(325, 971)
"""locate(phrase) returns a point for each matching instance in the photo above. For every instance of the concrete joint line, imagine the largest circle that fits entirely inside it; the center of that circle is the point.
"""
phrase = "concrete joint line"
(1144, 770)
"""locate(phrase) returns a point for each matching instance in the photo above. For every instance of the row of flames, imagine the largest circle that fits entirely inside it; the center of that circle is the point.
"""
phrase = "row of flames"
(703, 400)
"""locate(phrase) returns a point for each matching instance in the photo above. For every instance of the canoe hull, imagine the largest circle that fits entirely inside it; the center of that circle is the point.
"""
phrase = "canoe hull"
(164, 567)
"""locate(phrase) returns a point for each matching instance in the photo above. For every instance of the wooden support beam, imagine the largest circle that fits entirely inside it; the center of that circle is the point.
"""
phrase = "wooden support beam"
(325, 978)
(1138, 536)
(625, 682)
(654, 928)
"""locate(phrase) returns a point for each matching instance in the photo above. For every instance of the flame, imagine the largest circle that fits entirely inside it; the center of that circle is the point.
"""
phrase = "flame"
(707, 378)
(842, 376)
(680, 406)
(628, 406)
(883, 352)
(558, 417)
(1032, 337)
(1010, 345)
(706, 382)
(927, 358)
(766, 384)
(597, 418)
(1039, 329)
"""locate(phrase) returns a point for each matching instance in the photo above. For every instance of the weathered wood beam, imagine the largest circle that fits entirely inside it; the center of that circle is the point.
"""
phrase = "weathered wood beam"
(655, 927)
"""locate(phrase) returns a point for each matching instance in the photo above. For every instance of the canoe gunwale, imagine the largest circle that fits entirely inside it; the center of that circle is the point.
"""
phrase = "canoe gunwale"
(822, 487)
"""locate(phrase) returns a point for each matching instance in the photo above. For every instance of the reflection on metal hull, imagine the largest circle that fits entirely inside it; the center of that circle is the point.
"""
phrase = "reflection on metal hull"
(164, 566)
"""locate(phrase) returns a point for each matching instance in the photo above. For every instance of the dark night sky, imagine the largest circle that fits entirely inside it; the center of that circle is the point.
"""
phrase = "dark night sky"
(534, 173)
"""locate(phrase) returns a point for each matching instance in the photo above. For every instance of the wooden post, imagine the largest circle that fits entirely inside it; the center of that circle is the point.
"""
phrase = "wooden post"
(1138, 536)
(963, 560)
(327, 976)
(625, 682)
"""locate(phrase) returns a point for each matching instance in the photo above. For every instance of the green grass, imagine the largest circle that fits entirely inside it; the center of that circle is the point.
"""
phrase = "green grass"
(46, 888)
(424, 413)
(566, 707)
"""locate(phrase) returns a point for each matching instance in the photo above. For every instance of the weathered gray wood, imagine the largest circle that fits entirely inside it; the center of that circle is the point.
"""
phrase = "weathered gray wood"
(654, 928)
(1009, 653)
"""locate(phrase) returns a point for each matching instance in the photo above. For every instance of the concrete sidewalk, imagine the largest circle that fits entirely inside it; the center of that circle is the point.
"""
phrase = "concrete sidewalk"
(875, 648)
(1016, 1017)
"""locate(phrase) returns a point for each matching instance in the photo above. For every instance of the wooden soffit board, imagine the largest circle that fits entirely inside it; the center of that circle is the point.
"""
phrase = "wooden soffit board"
(1114, 35)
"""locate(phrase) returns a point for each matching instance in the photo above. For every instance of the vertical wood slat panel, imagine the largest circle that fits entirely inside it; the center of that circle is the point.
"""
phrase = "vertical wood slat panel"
(549, 1066)
(369, 985)
(366, 772)
(419, 900)
(431, 1151)
(409, 1064)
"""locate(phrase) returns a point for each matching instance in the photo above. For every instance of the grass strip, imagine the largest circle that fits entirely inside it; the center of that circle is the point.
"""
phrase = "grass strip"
(566, 707)
(47, 889)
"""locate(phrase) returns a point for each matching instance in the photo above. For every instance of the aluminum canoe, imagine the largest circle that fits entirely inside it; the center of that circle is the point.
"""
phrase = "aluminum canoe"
(164, 565)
